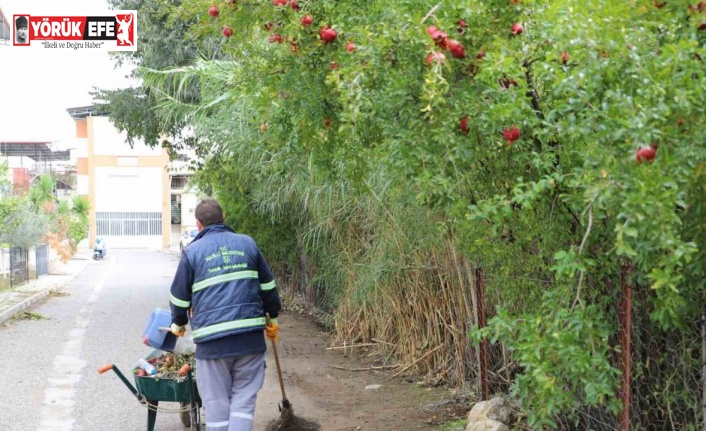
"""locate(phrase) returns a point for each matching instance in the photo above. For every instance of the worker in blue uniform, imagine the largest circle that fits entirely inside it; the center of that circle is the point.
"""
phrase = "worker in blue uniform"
(224, 280)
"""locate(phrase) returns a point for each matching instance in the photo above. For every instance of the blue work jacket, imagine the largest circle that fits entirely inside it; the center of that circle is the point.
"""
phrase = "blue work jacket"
(225, 280)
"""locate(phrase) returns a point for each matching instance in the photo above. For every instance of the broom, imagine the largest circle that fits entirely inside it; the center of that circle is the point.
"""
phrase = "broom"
(287, 420)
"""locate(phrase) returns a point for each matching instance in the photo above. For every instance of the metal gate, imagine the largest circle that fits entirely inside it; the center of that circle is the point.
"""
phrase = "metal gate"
(128, 224)
(19, 266)
(42, 260)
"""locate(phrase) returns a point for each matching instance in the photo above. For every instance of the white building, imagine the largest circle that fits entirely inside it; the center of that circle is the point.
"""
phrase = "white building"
(138, 200)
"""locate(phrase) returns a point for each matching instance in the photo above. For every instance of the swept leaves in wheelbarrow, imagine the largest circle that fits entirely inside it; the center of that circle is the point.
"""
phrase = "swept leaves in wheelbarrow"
(168, 365)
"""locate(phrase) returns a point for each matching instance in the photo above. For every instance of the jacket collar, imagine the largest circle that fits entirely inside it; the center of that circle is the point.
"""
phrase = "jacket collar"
(218, 227)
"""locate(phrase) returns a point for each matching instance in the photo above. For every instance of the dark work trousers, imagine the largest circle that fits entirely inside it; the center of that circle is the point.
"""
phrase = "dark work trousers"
(228, 389)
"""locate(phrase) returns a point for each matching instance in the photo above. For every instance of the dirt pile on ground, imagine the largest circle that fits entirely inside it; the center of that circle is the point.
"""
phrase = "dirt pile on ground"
(289, 422)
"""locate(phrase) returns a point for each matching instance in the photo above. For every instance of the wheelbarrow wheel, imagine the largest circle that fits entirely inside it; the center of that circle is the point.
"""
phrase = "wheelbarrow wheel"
(185, 415)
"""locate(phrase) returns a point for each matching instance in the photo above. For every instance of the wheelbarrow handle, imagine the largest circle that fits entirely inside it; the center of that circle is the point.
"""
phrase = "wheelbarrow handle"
(120, 375)
(167, 329)
(104, 368)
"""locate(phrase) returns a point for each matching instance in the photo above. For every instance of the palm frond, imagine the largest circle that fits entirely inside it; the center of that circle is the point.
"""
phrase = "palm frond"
(80, 208)
(42, 191)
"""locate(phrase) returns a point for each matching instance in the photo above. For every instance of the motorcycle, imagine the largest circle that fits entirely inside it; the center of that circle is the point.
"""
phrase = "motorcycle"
(99, 250)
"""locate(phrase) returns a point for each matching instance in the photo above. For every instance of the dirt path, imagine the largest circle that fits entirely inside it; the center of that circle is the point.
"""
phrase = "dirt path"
(338, 399)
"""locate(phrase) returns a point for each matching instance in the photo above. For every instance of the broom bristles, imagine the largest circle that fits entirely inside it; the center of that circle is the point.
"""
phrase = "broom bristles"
(289, 422)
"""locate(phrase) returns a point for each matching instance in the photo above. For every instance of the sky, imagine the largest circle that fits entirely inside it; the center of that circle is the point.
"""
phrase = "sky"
(38, 85)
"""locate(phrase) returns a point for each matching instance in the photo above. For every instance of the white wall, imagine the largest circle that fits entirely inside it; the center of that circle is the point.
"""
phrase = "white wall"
(79, 150)
(107, 141)
(128, 189)
(188, 205)
(82, 184)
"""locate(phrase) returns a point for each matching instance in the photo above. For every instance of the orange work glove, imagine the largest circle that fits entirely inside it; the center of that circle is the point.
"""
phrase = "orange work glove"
(272, 330)
(177, 330)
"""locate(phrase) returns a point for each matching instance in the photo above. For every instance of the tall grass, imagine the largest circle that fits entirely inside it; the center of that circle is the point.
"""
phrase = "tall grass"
(389, 273)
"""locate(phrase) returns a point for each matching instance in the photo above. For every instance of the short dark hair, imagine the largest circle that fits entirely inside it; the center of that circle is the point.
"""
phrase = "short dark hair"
(209, 212)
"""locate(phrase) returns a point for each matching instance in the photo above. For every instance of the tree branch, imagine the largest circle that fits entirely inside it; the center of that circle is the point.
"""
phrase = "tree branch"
(583, 243)
(536, 106)
(431, 12)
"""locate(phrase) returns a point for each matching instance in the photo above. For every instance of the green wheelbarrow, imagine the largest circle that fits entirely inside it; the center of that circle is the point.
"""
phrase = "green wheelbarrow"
(150, 390)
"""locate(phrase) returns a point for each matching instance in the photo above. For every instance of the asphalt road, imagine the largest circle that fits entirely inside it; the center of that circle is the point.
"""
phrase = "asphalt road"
(48, 367)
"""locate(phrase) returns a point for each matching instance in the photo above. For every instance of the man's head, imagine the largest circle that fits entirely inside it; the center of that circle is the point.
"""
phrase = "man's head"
(21, 27)
(208, 212)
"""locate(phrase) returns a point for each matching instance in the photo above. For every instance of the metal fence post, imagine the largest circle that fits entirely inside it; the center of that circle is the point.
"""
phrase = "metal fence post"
(625, 335)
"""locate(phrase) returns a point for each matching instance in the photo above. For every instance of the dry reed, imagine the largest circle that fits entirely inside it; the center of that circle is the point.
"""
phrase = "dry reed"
(421, 315)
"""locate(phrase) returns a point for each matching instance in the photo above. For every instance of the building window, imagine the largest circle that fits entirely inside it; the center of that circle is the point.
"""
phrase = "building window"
(179, 181)
(128, 224)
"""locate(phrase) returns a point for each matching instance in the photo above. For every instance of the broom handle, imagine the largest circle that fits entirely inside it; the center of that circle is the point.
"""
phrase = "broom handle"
(279, 370)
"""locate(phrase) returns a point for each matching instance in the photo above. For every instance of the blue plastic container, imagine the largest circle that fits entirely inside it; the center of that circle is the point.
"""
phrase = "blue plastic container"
(153, 337)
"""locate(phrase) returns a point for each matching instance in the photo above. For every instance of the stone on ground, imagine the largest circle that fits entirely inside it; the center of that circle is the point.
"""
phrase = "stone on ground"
(492, 415)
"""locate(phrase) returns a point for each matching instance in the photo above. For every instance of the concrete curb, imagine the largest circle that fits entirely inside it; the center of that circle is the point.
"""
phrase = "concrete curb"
(6, 315)
(35, 297)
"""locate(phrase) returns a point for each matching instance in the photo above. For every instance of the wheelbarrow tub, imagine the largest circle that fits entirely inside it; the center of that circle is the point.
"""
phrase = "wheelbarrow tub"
(165, 389)
(160, 389)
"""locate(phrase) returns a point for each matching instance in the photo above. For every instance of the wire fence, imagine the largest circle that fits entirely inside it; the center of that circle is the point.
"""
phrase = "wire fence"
(667, 386)
(661, 381)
